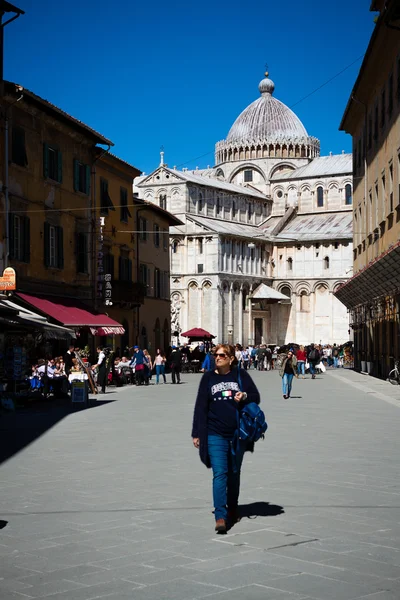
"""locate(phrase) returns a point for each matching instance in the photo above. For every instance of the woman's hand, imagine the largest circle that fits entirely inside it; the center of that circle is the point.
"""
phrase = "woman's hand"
(196, 442)
(240, 396)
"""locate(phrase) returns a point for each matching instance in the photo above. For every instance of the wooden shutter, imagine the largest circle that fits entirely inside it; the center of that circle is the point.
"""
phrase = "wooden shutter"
(59, 166)
(76, 175)
(45, 160)
(60, 247)
(46, 247)
(121, 268)
(26, 239)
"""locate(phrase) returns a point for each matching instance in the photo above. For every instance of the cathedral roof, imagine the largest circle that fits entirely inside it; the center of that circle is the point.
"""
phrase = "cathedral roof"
(321, 166)
(267, 120)
(313, 227)
(229, 227)
(195, 177)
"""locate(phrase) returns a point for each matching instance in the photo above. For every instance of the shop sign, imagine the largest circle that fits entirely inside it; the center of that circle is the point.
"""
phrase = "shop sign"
(100, 276)
(108, 290)
(8, 282)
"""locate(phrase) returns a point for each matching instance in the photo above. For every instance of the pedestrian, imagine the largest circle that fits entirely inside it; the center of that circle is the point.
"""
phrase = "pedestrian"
(313, 358)
(102, 369)
(209, 362)
(238, 355)
(159, 362)
(245, 358)
(138, 365)
(70, 354)
(219, 398)
(287, 371)
(148, 366)
(301, 361)
(335, 356)
(176, 364)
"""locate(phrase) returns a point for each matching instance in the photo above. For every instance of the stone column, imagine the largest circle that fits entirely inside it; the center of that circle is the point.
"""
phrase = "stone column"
(241, 315)
(230, 315)
(250, 339)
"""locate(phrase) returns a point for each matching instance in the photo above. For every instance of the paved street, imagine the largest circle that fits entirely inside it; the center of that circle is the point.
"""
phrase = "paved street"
(114, 502)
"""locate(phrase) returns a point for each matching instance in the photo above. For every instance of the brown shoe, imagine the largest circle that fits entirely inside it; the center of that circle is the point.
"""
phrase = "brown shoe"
(220, 526)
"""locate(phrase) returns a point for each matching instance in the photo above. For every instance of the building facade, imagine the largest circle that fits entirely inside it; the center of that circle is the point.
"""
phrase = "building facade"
(266, 234)
(372, 117)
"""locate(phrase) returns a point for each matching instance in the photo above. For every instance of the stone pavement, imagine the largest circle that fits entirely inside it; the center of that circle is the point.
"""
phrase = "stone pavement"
(113, 502)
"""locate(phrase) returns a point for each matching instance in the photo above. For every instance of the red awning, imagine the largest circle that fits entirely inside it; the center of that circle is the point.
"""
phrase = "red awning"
(107, 330)
(71, 313)
(198, 332)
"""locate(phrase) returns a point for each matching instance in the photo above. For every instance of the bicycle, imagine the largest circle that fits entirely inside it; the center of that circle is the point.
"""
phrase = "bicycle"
(394, 375)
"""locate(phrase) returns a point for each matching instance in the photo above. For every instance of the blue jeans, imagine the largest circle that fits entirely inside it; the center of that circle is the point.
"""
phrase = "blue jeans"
(312, 368)
(226, 483)
(160, 370)
(287, 384)
(301, 367)
(336, 362)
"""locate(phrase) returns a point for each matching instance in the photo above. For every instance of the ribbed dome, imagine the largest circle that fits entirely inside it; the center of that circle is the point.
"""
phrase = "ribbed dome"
(266, 120)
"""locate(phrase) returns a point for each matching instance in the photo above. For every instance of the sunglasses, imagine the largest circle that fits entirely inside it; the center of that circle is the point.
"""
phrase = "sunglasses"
(221, 355)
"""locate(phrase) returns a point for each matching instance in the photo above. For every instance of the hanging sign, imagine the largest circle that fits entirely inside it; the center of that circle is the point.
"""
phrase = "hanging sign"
(8, 282)
(100, 270)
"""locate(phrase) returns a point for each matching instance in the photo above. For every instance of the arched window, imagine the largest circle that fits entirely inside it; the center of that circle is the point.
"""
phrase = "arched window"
(201, 203)
(304, 302)
(143, 336)
(166, 335)
(326, 262)
(250, 210)
(233, 209)
(348, 195)
(218, 205)
(163, 201)
(286, 291)
(320, 196)
(290, 263)
(175, 246)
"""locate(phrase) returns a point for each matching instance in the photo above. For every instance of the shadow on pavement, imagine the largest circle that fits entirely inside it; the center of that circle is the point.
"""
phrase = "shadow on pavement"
(260, 509)
(23, 426)
(3, 524)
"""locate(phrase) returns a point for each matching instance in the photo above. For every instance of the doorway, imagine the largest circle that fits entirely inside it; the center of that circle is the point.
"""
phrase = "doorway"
(258, 331)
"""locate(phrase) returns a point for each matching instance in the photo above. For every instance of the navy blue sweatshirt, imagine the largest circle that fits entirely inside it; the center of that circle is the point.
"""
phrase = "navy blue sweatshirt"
(216, 409)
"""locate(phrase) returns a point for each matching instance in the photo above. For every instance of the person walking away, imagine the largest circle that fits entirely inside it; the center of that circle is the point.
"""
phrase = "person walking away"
(301, 361)
(159, 362)
(102, 369)
(313, 359)
(176, 364)
(137, 363)
(148, 366)
(287, 371)
(245, 358)
(261, 353)
(254, 357)
(221, 394)
(268, 358)
(335, 356)
(209, 362)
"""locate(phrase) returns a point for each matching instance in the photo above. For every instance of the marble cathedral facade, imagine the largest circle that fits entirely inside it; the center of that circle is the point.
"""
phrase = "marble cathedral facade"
(267, 233)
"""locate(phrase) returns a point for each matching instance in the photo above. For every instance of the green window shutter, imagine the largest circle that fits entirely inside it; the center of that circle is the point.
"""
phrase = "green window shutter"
(76, 175)
(11, 236)
(60, 248)
(46, 241)
(45, 160)
(59, 166)
(26, 240)
(88, 178)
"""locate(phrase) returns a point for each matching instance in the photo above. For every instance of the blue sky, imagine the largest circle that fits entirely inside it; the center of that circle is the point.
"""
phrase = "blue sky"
(177, 75)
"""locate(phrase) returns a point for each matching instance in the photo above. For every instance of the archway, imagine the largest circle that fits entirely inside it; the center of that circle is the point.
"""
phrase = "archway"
(157, 334)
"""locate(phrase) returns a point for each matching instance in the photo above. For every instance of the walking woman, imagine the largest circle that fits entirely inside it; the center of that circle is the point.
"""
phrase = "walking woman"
(159, 362)
(222, 393)
(301, 361)
(287, 372)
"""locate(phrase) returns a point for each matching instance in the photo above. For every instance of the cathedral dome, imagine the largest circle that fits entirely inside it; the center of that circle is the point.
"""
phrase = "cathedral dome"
(266, 120)
(266, 129)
